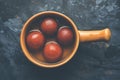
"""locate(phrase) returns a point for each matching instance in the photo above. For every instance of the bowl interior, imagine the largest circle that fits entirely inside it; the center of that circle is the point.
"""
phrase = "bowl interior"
(34, 23)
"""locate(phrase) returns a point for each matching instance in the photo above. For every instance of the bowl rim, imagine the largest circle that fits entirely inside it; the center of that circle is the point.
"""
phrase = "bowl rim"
(26, 52)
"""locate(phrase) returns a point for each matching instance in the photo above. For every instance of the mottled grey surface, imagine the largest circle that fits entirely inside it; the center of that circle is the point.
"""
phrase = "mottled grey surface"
(93, 61)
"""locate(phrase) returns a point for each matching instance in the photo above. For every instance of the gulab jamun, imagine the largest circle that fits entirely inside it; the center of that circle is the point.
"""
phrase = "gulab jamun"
(52, 51)
(49, 26)
(65, 35)
(35, 40)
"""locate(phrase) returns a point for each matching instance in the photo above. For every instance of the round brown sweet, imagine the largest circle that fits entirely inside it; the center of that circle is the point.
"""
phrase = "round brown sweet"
(65, 35)
(49, 26)
(35, 40)
(52, 51)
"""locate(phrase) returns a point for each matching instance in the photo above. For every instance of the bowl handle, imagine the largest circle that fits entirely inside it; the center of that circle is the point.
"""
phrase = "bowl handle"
(95, 35)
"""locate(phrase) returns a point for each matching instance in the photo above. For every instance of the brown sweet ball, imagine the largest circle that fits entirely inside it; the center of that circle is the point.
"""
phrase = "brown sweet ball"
(65, 35)
(35, 40)
(52, 51)
(49, 26)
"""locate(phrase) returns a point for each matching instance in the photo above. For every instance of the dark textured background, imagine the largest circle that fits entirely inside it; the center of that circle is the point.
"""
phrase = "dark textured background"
(93, 61)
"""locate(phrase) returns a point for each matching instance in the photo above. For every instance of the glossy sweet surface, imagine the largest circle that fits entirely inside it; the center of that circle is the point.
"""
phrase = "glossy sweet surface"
(65, 35)
(49, 26)
(35, 40)
(52, 51)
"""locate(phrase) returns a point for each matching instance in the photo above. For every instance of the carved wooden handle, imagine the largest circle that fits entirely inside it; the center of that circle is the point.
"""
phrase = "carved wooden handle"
(95, 35)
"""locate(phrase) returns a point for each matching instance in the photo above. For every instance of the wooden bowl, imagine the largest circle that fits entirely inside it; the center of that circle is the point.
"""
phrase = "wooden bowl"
(79, 36)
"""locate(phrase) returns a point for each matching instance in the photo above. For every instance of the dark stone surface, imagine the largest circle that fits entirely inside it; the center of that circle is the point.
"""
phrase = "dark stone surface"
(93, 61)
